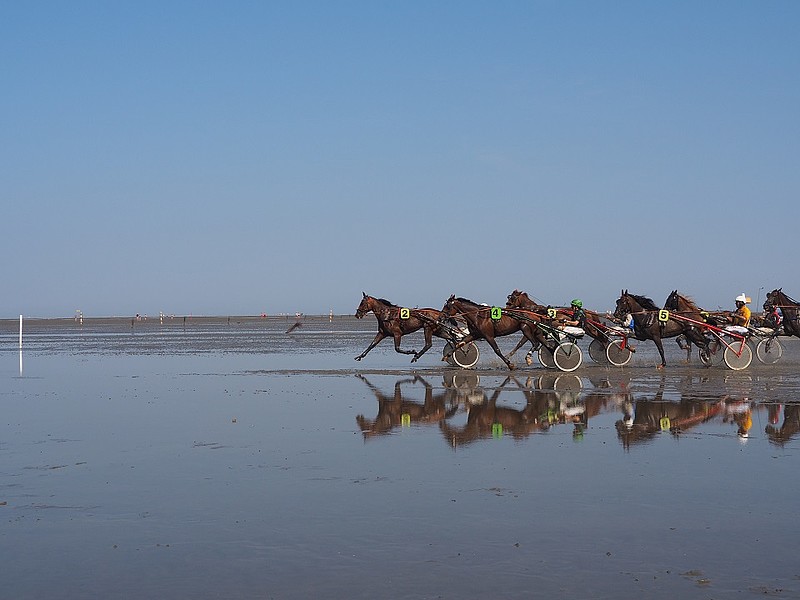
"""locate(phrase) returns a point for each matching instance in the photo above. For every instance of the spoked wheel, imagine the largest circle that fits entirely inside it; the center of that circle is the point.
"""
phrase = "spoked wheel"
(769, 351)
(597, 351)
(546, 357)
(618, 353)
(716, 352)
(465, 357)
(567, 356)
(736, 360)
(567, 383)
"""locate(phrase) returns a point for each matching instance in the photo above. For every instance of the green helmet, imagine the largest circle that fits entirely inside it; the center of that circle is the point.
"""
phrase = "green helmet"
(577, 303)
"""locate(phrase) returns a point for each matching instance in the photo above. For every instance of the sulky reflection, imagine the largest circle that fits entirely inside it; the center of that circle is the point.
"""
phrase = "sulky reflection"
(465, 411)
(467, 408)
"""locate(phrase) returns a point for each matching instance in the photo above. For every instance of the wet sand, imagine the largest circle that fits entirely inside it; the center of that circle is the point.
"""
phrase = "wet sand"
(230, 459)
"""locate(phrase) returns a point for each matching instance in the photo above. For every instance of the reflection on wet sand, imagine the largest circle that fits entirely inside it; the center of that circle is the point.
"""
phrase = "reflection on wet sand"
(466, 412)
(549, 401)
(395, 410)
(788, 429)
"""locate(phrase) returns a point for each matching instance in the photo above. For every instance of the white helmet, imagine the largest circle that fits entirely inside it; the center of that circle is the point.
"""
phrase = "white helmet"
(741, 298)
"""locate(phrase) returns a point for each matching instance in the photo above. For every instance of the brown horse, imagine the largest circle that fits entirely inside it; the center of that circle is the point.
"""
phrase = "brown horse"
(482, 326)
(683, 306)
(395, 322)
(593, 327)
(522, 300)
(790, 309)
(647, 325)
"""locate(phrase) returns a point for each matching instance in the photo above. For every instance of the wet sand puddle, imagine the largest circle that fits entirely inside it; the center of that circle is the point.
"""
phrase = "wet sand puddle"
(236, 460)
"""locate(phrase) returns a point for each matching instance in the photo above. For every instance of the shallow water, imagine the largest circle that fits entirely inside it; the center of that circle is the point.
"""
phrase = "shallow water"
(230, 459)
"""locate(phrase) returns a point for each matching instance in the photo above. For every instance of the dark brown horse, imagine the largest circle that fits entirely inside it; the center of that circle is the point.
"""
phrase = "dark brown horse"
(395, 322)
(647, 325)
(522, 300)
(482, 326)
(593, 327)
(683, 306)
(790, 309)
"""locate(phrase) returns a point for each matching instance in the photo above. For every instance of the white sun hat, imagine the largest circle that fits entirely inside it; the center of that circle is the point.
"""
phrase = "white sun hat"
(742, 298)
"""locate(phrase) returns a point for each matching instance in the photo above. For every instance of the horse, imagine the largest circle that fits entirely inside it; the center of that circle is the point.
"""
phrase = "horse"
(647, 325)
(789, 307)
(522, 300)
(391, 323)
(593, 327)
(481, 325)
(685, 307)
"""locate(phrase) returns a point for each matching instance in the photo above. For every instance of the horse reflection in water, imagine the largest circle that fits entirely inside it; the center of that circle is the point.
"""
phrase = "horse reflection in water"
(545, 407)
(394, 409)
(487, 419)
(644, 419)
(788, 429)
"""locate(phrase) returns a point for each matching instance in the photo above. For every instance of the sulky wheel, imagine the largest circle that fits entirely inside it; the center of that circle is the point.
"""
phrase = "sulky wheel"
(769, 351)
(738, 355)
(546, 357)
(465, 357)
(597, 351)
(567, 356)
(618, 353)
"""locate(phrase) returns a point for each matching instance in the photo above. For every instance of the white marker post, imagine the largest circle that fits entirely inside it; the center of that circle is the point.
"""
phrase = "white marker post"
(20, 345)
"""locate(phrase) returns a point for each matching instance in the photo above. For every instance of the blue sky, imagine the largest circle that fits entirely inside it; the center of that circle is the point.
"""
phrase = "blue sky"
(240, 157)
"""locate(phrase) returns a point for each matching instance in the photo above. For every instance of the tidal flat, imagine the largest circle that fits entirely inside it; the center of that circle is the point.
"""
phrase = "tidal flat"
(227, 458)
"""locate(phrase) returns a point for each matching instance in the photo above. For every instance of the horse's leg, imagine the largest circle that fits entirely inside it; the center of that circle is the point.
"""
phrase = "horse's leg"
(660, 346)
(519, 345)
(374, 343)
(496, 349)
(428, 344)
(397, 337)
(530, 334)
(700, 341)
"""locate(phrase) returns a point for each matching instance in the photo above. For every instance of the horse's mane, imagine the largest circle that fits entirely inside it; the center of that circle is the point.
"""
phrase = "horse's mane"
(785, 295)
(643, 301)
(467, 301)
(385, 301)
(692, 305)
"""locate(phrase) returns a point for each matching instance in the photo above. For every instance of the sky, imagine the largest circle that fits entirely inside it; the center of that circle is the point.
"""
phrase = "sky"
(236, 158)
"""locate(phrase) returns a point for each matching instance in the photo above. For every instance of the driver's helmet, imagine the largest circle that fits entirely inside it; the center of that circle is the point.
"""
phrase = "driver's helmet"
(576, 303)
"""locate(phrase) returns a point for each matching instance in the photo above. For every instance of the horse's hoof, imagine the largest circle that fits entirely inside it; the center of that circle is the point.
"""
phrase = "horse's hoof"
(358, 357)
(660, 367)
(511, 366)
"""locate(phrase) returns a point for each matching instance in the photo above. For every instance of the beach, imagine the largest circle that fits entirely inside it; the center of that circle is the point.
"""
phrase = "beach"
(224, 457)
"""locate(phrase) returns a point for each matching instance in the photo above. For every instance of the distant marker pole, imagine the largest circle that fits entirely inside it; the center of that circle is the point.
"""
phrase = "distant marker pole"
(20, 345)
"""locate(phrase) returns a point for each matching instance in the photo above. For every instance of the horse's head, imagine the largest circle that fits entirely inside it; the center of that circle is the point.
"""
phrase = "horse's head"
(623, 307)
(773, 299)
(365, 306)
(450, 307)
(673, 301)
(513, 298)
